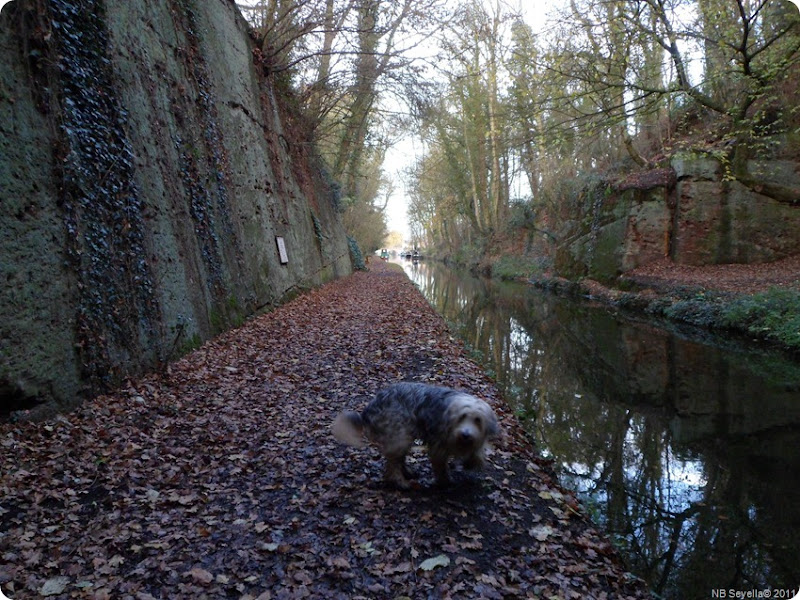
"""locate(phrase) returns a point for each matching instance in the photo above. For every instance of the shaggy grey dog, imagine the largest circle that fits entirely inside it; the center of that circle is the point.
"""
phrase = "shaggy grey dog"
(452, 424)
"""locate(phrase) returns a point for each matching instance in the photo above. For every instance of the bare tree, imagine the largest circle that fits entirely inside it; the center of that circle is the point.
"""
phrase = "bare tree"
(346, 59)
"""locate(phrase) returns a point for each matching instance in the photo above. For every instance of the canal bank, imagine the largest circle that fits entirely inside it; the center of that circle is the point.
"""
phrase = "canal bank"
(684, 446)
(219, 477)
(760, 301)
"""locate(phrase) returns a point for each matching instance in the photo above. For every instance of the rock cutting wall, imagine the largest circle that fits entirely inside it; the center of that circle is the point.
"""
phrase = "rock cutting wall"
(690, 212)
(147, 168)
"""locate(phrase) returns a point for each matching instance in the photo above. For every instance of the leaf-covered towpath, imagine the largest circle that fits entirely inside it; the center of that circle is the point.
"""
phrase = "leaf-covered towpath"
(220, 479)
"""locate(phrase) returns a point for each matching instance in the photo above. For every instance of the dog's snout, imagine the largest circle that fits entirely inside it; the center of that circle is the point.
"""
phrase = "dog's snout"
(465, 435)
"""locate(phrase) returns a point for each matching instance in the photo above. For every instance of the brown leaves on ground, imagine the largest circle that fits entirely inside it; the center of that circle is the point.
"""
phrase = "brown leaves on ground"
(220, 479)
(734, 278)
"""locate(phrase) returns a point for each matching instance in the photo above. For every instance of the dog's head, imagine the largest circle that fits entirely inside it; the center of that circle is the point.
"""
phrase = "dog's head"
(471, 422)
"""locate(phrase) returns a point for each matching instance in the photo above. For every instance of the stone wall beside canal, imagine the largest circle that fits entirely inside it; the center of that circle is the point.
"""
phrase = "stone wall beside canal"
(149, 171)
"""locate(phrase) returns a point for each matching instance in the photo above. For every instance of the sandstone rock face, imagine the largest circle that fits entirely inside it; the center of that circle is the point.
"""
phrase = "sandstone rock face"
(147, 168)
(697, 216)
(719, 220)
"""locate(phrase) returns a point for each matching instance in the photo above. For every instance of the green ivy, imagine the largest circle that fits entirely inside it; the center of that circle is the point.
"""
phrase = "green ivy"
(355, 255)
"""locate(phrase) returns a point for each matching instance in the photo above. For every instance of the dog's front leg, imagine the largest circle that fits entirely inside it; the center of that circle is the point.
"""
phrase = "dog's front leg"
(475, 460)
(440, 469)
(407, 472)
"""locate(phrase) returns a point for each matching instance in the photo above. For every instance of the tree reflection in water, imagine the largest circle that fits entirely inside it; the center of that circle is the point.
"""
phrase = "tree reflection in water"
(684, 446)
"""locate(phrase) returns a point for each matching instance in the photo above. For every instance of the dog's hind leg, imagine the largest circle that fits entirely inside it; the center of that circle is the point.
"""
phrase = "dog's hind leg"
(396, 471)
(394, 448)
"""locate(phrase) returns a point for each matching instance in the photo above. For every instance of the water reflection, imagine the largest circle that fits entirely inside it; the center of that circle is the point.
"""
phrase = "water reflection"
(686, 450)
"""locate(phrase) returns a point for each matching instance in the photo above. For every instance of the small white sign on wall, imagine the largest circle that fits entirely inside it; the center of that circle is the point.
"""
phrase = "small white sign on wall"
(282, 250)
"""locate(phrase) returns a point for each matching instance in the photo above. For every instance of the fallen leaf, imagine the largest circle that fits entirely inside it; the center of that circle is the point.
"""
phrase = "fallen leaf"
(437, 561)
(542, 532)
(54, 586)
(201, 575)
(270, 547)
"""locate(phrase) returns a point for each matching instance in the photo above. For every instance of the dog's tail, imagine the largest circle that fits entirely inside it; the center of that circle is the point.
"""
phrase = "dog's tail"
(348, 428)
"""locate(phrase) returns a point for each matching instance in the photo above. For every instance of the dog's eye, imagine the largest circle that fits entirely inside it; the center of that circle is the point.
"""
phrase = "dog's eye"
(478, 422)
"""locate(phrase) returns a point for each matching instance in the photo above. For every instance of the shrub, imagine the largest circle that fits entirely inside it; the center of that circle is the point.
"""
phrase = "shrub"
(774, 314)
(697, 311)
(515, 267)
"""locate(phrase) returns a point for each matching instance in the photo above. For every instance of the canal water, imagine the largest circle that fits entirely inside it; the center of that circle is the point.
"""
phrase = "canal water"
(684, 447)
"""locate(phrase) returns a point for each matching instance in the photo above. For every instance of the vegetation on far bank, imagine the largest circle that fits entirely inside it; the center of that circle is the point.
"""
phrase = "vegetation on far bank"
(774, 315)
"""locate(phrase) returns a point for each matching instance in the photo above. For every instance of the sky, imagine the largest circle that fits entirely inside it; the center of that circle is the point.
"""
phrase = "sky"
(398, 158)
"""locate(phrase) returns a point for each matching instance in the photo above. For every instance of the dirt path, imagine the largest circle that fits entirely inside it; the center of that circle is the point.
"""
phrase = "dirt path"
(220, 479)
